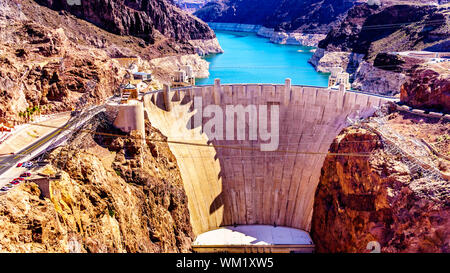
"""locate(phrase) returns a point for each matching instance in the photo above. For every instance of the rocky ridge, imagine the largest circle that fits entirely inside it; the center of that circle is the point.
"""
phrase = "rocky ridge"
(149, 20)
(378, 200)
(56, 61)
(39, 66)
(428, 87)
(114, 195)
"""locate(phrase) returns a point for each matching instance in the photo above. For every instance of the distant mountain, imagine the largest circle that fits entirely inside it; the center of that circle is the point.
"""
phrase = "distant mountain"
(305, 16)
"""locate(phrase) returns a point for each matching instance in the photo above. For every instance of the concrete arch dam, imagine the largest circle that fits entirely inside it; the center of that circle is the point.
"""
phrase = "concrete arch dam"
(232, 181)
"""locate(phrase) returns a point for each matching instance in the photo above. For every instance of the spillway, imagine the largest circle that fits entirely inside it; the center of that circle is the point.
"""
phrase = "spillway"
(233, 182)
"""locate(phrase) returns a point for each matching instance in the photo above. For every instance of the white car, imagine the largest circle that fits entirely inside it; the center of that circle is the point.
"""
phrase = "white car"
(28, 164)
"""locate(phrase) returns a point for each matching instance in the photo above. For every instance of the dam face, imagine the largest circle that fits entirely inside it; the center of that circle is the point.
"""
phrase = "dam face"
(233, 182)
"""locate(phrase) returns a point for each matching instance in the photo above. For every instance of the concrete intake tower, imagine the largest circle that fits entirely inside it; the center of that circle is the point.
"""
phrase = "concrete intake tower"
(239, 194)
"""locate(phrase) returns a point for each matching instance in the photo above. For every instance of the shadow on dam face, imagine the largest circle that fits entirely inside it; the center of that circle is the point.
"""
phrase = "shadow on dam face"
(232, 181)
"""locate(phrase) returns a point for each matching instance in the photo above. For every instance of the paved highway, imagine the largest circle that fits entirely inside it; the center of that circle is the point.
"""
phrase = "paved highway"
(40, 145)
(12, 160)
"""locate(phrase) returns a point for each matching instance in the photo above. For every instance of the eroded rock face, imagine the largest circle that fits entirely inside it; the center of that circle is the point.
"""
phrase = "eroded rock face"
(377, 198)
(167, 65)
(428, 87)
(57, 61)
(205, 47)
(114, 195)
(408, 27)
(374, 32)
(40, 66)
(138, 18)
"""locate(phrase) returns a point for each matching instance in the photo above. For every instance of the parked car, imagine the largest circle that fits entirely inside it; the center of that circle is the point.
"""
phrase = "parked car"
(19, 165)
(4, 189)
(28, 174)
(27, 164)
(15, 182)
(20, 178)
(9, 186)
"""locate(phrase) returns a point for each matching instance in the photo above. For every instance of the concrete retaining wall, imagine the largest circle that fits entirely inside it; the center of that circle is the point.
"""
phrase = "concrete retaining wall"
(130, 117)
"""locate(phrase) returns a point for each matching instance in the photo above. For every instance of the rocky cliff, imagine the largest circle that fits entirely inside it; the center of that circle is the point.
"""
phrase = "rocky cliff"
(144, 19)
(115, 195)
(54, 60)
(158, 23)
(428, 87)
(362, 40)
(40, 66)
(378, 197)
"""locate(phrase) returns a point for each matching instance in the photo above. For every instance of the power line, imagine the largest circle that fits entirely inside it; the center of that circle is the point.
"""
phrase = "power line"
(231, 147)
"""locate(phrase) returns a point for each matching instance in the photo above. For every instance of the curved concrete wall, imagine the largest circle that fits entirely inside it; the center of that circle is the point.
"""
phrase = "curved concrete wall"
(245, 185)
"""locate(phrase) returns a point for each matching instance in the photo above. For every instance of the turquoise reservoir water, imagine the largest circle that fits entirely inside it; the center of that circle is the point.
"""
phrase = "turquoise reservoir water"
(249, 58)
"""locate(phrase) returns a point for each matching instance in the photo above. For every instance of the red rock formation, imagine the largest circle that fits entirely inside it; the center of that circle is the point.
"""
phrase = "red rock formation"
(428, 87)
(54, 59)
(138, 18)
(119, 196)
(40, 66)
(377, 198)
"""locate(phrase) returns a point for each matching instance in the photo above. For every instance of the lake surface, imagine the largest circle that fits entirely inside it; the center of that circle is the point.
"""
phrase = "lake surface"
(249, 58)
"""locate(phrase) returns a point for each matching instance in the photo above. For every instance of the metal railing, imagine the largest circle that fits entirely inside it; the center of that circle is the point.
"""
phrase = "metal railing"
(411, 152)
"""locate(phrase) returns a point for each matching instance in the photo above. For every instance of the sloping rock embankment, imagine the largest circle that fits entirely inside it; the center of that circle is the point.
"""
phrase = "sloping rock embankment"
(114, 195)
(377, 199)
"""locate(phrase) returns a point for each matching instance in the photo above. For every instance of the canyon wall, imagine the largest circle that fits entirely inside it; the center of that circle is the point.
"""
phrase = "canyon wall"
(428, 87)
(277, 37)
(40, 66)
(283, 16)
(370, 30)
(359, 44)
(137, 18)
(114, 195)
(378, 199)
(56, 61)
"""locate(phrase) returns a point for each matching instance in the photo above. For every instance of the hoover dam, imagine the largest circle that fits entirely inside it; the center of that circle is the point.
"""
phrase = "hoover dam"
(236, 182)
